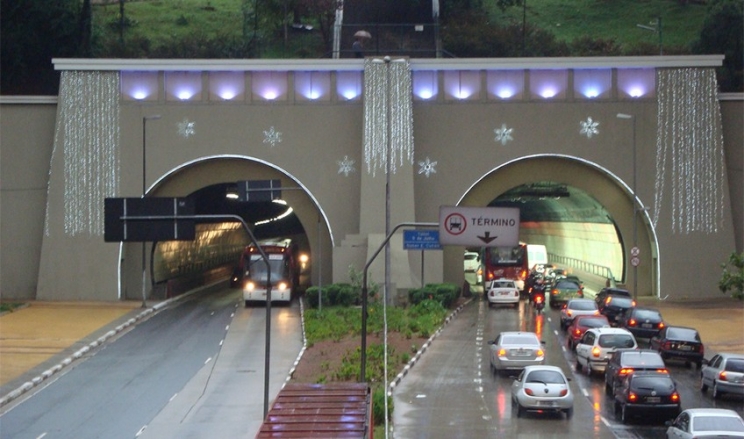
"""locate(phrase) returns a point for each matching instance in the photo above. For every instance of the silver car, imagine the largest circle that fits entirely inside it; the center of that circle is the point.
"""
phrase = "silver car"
(515, 350)
(723, 373)
(706, 423)
(542, 388)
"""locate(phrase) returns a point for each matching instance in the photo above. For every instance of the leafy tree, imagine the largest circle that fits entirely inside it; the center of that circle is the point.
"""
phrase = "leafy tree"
(722, 32)
(733, 281)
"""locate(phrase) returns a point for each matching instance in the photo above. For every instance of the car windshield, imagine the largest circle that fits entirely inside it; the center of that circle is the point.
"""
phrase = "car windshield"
(545, 376)
(616, 341)
(471, 256)
(685, 334)
(623, 302)
(656, 382)
(566, 286)
(583, 305)
(717, 423)
(521, 340)
(593, 322)
(503, 284)
(735, 365)
(647, 314)
(643, 359)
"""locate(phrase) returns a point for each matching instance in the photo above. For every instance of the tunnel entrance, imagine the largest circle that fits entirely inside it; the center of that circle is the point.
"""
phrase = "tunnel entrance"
(212, 185)
(577, 209)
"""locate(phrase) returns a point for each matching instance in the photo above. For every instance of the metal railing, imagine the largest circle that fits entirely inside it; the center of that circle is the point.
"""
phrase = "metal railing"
(587, 267)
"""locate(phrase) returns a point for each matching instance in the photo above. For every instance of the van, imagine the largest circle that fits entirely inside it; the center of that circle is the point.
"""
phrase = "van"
(536, 254)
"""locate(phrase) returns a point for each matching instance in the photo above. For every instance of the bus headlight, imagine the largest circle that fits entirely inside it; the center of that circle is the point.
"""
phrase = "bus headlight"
(281, 286)
(249, 286)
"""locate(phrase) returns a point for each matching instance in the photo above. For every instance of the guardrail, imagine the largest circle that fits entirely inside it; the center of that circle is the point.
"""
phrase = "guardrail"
(588, 267)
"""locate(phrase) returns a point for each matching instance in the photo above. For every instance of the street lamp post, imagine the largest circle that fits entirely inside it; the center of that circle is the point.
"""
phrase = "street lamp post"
(635, 204)
(144, 189)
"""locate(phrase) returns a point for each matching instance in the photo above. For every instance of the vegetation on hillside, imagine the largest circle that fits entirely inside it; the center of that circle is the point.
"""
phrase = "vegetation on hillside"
(35, 31)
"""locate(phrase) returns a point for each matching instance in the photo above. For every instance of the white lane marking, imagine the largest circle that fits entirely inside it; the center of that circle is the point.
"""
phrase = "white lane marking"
(208, 360)
(222, 341)
(583, 390)
(606, 422)
(42, 435)
(212, 313)
(232, 315)
(141, 430)
(227, 328)
(173, 397)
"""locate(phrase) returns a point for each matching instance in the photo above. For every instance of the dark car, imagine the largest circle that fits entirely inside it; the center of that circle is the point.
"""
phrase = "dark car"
(650, 394)
(679, 342)
(642, 322)
(604, 292)
(580, 325)
(564, 290)
(627, 361)
(614, 306)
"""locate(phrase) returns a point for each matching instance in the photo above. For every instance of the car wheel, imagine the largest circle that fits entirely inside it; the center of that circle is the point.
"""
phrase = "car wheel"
(608, 389)
(569, 413)
(715, 392)
(624, 414)
(699, 364)
(703, 386)
(520, 411)
(578, 365)
(617, 409)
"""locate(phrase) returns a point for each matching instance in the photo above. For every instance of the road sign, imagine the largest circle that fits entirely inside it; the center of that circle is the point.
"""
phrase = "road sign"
(259, 190)
(140, 230)
(479, 226)
(635, 251)
(421, 240)
(635, 261)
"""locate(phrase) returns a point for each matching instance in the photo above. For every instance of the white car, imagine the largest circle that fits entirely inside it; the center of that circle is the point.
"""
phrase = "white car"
(471, 262)
(724, 373)
(595, 347)
(542, 389)
(503, 292)
(706, 423)
(577, 307)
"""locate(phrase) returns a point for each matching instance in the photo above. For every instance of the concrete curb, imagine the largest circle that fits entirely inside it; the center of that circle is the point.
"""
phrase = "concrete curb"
(100, 341)
(424, 347)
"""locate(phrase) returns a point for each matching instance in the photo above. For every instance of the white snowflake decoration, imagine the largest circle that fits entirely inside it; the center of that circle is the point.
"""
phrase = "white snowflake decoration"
(272, 137)
(503, 134)
(589, 128)
(346, 166)
(186, 129)
(428, 167)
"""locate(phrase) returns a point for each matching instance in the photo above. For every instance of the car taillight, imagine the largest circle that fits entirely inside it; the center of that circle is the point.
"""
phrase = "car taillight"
(662, 371)
(596, 313)
(502, 352)
(631, 322)
(529, 392)
(661, 325)
(577, 332)
(540, 353)
(564, 392)
(667, 345)
(523, 275)
(490, 275)
(569, 313)
(608, 300)
(675, 397)
(538, 299)
(596, 351)
(632, 303)
(554, 292)
(632, 397)
(625, 371)
(702, 349)
(722, 375)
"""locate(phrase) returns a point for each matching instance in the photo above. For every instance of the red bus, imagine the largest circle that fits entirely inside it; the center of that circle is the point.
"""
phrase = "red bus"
(251, 274)
(512, 263)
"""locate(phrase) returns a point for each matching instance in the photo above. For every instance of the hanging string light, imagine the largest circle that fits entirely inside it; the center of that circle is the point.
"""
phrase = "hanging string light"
(87, 132)
(383, 82)
(689, 150)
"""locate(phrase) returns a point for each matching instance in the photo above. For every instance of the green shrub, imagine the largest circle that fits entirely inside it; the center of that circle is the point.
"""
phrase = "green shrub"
(378, 405)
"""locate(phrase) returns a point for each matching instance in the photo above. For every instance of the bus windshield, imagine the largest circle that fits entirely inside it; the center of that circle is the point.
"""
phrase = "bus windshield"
(257, 268)
(500, 256)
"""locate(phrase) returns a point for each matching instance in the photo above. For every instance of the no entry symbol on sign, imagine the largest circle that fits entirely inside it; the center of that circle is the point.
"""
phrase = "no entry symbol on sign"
(455, 224)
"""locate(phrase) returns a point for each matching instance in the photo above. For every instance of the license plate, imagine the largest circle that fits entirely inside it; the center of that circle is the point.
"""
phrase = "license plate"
(653, 399)
(504, 293)
(521, 353)
(685, 348)
(646, 325)
(546, 403)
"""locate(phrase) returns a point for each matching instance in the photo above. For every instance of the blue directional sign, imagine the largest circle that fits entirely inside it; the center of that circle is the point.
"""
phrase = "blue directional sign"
(421, 240)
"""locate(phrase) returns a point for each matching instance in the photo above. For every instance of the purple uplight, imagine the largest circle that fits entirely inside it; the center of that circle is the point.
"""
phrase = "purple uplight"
(270, 85)
(349, 84)
(548, 84)
(636, 83)
(425, 84)
(592, 83)
(505, 84)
